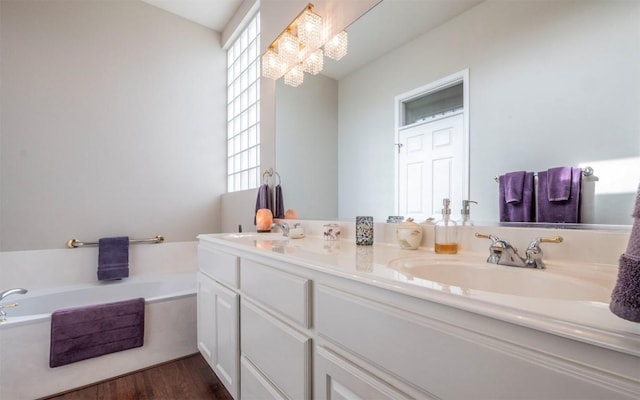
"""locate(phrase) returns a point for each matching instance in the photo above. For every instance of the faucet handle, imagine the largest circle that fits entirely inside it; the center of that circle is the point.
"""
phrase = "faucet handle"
(494, 239)
(534, 252)
(536, 242)
(496, 242)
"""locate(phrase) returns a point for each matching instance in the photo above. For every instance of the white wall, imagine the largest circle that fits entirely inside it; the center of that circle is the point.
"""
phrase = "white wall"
(307, 139)
(552, 83)
(112, 123)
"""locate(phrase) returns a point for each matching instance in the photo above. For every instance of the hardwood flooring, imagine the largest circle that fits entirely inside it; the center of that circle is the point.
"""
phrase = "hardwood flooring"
(188, 378)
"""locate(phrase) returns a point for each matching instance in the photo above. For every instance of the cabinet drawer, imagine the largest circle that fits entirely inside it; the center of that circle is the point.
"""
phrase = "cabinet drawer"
(223, 267)
(337, 378)
(279, 352)
(437, 357)
(285, 293)
(254, 386)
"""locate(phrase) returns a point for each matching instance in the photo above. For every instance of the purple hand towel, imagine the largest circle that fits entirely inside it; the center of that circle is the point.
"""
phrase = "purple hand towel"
(263, 200)
(559, 183)
(566, 211)
(278, 207)
(113, 258)
(87, 332)
(514, 186)
(523, 210)
(625, 298)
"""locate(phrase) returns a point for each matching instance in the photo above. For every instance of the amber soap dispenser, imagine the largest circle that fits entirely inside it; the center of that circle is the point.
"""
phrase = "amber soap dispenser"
(446, 230)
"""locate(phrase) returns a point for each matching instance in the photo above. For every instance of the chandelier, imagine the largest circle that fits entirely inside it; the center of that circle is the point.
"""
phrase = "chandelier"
(301, 48)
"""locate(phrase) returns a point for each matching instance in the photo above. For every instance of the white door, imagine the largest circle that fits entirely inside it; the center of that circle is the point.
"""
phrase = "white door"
(431, 167)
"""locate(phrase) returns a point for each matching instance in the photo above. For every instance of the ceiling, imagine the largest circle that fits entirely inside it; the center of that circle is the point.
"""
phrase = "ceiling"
(384, 28)
(213, 14)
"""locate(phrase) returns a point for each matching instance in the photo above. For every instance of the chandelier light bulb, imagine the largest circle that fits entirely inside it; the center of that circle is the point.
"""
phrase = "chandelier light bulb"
(310, 29)
(288, 48)
(272, 65)
(295, 76)
(336, 48)
(314, 63)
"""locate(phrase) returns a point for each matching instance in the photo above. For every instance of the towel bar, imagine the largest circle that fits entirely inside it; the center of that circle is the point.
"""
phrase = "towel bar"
(586, 171)
(75, 243)
(270, 172)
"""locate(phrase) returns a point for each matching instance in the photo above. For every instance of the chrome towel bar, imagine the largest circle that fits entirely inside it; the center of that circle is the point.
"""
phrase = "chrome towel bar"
(75, 243)
(586, 171)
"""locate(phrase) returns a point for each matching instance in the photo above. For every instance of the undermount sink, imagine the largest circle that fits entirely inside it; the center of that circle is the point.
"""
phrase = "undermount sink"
(468, 274)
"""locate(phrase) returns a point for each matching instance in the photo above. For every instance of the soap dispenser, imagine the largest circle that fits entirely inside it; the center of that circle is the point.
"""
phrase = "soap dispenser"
(446, 231)
(466, 213)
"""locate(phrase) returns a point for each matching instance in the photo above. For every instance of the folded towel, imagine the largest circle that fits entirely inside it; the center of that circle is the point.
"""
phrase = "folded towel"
(514, 186)
(625, 298)
(263, 200)
(559, 183)
(113, 258)
(564, 211)
(87, 332)
(278, 207)
(522, 211)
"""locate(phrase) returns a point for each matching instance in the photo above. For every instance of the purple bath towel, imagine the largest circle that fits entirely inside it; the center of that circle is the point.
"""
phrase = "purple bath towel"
(278, 207)
(559, 182)
(87, 332)
(522, 210)
(625, 298)
(514, 186)
(561, 211)
(113, 258)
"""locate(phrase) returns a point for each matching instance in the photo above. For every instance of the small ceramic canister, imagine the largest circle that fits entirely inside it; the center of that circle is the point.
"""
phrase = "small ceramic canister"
(364, 231)
(331, 232)
(409, 235)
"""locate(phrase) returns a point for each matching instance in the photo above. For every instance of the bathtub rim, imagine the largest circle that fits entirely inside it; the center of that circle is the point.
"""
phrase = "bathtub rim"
(18, 321)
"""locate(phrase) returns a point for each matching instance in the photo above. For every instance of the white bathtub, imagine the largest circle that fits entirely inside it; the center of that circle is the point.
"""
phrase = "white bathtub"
(170, 332)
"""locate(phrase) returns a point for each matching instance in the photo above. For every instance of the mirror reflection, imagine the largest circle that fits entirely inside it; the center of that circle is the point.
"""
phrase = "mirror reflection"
(551, 84)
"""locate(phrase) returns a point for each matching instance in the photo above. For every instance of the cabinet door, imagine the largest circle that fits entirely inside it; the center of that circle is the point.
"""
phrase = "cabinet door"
(338, 379)
(279, 352)
(218, 339)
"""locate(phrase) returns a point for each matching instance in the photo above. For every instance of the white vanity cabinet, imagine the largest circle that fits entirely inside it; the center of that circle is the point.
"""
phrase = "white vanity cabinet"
(275, 340)
(218, 316)
(308, 333)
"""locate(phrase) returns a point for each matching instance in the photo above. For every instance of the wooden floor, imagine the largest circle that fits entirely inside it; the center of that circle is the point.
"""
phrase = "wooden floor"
(183, 379)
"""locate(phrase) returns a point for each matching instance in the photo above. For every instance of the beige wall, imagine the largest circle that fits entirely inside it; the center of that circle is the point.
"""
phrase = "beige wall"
(112, 123)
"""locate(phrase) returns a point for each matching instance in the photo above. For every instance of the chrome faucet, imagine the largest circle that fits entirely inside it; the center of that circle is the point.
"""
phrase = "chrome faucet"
(5, 293)
(284, 227)
(503, 253)
(9, 292)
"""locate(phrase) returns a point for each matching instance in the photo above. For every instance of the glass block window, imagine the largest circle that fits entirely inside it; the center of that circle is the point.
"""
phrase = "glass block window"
(243, 109)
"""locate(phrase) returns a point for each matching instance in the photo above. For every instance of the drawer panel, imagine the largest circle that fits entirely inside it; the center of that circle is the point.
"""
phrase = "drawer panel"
(427, 353)
(254, 386)
(221, 266)
(336, 378)
(279, 352)
(285, 293)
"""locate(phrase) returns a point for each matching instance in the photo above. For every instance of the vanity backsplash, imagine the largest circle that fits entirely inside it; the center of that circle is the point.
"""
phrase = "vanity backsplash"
(578, 245)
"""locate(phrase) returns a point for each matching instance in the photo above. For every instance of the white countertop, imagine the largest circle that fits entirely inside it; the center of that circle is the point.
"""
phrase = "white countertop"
(584, 320)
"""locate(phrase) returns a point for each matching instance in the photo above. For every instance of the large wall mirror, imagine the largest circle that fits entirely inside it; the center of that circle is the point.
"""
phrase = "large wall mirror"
(551, 83)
